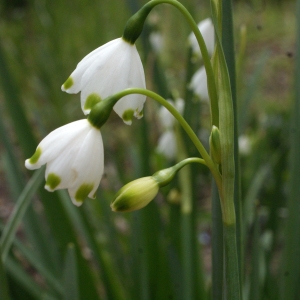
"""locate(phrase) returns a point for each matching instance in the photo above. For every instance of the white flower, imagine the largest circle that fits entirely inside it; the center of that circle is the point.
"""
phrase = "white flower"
(245, 147)
(156, 41)
(207, 30)
(167, 144)
(199, 84)
(165, 117)
(167, 141)
(107, 70)
(75, 160)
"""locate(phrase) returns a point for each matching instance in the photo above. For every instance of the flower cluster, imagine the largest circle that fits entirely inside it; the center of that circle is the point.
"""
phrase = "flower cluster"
(199, 80)
(167, 141)
(74, 153)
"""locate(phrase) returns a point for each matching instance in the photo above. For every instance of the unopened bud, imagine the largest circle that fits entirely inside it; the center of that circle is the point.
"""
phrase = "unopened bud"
(135, 194)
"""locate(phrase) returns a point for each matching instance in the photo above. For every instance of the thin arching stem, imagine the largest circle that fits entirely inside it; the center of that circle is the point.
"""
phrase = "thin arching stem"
(206, 157)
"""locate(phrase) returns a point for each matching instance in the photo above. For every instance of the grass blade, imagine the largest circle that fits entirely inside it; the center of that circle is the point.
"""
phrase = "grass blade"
(70, 278)
(19, 211)
(229, 52)
(291, 255)
(4, 294)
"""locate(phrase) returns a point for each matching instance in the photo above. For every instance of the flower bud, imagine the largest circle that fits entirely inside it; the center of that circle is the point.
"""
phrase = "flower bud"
(215, 145)
(135, 194)
(138, 193)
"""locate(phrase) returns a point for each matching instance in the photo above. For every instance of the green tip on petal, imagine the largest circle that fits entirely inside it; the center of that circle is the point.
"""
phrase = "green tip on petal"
(128, 115)
(35, 157)
(140, 114)
(83, 192)
(91, 101)
(53, 181)
(68, 83)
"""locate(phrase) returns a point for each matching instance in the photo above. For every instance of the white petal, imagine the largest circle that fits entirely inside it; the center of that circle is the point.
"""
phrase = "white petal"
(167, 144)
(87, 62)
(89, 165)
(199, 84)
(54, 143)
(179, 105)
(165, 117)
(61, 166)
(206, 28)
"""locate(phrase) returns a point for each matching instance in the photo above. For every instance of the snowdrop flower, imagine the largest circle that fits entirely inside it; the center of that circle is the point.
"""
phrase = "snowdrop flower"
(199, 84)
(167, 144)
(167, 141)
(75, 160)
(107, 70)
(207, 30)
(165, 117)
(244, 145)
(156, 41)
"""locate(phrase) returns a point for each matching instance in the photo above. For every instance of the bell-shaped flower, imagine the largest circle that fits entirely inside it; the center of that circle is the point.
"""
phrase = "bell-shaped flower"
(107, 70)
(167, 144)
(167, 141)
(199, 84)
(75, 160)
(207, 30)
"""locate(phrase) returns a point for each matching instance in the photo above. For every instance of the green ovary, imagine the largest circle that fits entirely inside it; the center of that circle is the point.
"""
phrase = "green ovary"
(91, 101)
(68, 83)
(128, 115)
(53, 181)
(35, 157)
(83, 192)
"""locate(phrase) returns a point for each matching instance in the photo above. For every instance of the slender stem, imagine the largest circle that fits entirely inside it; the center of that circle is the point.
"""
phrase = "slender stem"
(232, 286)
(211, 84)
(208, 161)
(185, 218)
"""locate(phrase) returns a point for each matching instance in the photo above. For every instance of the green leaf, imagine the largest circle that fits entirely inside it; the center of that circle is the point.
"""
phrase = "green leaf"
(18, 212)
(70, 275)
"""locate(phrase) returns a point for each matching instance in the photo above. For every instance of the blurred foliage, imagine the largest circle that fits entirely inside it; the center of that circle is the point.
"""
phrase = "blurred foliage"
(140, 255)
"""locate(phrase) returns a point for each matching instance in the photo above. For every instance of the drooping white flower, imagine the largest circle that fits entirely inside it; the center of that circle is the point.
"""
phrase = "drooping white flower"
(167, 144)
(105, 71)
(156, 41)
(199, 84)
(207, 30)
(167, 141)
(75, 160)
(165, 117)
(245, 146)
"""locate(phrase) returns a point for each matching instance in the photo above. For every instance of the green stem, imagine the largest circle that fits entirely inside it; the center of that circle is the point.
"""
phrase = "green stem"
(232, 287)
(19, 211)
(135, 24)
(185, 220)
(208, 161)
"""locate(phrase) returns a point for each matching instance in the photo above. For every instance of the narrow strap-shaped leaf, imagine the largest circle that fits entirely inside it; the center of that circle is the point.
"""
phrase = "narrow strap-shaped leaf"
(291, 255)
(217, 245)
(19, 211)
(4, 293)
(54, 284)
(70, 275)
(18, 274)
(229, 52)
(15, 108)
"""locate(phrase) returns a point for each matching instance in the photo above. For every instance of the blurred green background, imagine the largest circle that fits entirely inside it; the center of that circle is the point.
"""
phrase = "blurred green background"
(64, 252)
